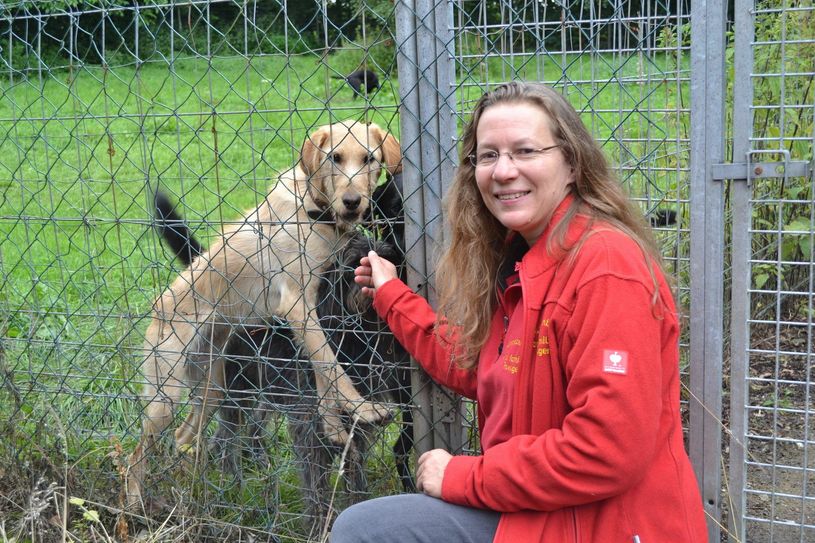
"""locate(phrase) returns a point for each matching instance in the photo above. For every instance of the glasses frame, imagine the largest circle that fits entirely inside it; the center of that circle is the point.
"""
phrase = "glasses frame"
(474, 157)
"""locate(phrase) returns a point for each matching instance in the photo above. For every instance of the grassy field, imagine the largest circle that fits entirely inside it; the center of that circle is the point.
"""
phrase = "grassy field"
(82, 148)
(80, 264)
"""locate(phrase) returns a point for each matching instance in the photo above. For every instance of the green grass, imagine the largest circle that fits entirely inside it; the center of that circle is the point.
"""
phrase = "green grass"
(82, 147)
(80, 263)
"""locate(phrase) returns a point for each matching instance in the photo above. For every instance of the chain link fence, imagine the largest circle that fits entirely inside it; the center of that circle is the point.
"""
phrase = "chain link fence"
(209, 103)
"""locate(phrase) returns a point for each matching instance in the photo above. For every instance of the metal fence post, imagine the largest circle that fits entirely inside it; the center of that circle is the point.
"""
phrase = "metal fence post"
(740, 300)
(708, 86)
(428, 136)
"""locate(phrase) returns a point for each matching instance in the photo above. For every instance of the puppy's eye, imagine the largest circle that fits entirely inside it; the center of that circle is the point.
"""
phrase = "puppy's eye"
(370, 159)
(336, 158)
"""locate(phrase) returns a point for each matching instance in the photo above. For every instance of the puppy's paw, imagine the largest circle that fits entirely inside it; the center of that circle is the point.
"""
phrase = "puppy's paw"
(372, 412)
(336, 434)
(333, 428)
(225, 453)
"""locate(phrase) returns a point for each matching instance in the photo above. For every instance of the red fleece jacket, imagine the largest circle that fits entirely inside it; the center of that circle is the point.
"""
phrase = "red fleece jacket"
(596, 452)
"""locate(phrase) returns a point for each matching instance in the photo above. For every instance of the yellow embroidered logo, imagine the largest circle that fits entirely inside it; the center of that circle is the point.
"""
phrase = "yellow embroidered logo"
(511, 358)
(542, 343)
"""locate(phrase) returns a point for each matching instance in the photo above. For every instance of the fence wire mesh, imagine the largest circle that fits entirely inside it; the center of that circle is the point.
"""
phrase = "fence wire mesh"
(624, 67)
(209, 102)
(773, 277)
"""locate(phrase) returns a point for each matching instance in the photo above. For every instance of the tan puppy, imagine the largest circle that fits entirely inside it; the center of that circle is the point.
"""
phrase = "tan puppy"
(266, 266)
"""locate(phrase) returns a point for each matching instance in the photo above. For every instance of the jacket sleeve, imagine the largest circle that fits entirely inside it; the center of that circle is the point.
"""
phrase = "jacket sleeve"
(608, 438)
(412, 321)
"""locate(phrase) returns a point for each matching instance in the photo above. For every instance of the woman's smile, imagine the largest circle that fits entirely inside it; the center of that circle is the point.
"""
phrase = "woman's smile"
(512, 196)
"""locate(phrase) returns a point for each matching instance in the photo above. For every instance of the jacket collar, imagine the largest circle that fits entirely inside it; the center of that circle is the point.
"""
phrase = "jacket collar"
(544, 255)
(516, 249)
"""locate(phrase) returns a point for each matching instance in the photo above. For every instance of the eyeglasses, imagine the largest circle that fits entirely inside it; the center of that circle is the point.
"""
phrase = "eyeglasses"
(490, 158)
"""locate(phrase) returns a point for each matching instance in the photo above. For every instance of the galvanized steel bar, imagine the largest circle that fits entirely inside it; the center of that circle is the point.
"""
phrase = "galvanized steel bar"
(757, 170)
(428, 128)
(741, 250)
(708, 86)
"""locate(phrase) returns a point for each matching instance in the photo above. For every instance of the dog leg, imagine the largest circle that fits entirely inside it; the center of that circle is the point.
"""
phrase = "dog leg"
(401, 451)
(314, 460)
(244, 407)
(224, 444)
(258, 420)
(335, 389)
(356, 480)
(164, 380)
(206, 379)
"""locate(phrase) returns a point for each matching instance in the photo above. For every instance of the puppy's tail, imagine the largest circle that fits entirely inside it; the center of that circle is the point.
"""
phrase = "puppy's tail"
(175, 231)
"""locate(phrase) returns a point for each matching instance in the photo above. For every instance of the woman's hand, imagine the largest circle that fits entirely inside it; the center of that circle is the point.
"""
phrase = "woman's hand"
(430, 472)
(373, 272)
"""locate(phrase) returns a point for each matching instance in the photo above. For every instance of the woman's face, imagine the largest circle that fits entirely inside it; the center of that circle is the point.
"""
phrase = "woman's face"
(521, 192)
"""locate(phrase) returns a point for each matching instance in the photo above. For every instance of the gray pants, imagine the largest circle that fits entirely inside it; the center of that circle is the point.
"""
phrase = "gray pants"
(413, 518)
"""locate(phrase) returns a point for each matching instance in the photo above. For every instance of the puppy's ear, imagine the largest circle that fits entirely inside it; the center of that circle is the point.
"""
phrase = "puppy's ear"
(311, 155)
(391, 151)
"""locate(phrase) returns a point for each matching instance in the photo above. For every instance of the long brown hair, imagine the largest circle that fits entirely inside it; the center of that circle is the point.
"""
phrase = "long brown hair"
(468, 269)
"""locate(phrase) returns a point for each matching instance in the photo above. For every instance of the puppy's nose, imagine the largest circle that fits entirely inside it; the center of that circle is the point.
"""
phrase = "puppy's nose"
(351, 201)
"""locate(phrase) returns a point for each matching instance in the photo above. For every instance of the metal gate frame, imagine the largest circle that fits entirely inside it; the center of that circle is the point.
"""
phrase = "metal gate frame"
(710, 169)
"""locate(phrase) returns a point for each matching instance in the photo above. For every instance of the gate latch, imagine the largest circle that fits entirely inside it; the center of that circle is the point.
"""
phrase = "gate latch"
(749, 170)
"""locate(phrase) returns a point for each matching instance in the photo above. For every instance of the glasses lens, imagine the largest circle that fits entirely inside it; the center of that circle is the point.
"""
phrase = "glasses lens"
(487, 158)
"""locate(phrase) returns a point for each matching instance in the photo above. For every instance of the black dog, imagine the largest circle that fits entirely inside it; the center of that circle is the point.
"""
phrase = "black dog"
(360, 80)
(175, 231)
(266, 372)
(662, 217)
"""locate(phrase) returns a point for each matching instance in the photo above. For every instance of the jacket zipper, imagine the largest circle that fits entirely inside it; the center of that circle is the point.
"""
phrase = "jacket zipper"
(506, 317)
(504, 335)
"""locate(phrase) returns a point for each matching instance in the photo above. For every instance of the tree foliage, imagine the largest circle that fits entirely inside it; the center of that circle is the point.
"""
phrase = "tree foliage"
(97, 31)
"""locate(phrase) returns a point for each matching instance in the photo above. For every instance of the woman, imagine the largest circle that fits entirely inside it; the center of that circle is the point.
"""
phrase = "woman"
(555, 316)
